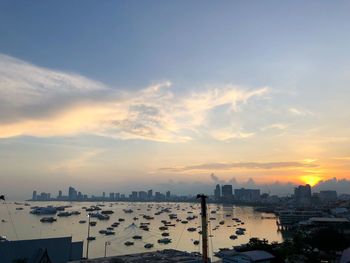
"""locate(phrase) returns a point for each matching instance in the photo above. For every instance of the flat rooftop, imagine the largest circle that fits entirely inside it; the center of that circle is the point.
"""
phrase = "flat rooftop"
(329, 220)
(163, 256)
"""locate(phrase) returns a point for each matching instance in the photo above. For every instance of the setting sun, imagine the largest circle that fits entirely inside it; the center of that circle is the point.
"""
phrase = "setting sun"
(311, 179)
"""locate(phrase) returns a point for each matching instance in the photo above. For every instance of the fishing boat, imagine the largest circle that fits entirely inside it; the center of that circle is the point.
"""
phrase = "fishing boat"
(164, 240)
(148, 245)
(128, 243)
(48, 220)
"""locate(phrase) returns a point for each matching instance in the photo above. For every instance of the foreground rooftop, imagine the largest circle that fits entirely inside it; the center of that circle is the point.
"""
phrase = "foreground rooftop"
(163, 256)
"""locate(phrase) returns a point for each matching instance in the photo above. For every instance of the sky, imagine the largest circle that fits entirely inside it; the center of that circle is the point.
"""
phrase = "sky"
(179, 95)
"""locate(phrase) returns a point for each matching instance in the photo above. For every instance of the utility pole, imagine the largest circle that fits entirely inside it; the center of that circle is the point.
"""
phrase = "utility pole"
(88, 239)
(203, 199)
(106, 244)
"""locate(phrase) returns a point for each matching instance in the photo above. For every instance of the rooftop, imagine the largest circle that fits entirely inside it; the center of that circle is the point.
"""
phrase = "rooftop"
(163, 256)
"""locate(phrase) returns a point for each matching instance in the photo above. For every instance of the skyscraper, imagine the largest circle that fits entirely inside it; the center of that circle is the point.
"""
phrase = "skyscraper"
(217, 192)
(34, 197)
(72, 193)
(227, 193)
(302, 194)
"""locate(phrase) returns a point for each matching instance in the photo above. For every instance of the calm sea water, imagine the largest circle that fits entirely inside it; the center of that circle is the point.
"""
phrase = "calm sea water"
(20, 224)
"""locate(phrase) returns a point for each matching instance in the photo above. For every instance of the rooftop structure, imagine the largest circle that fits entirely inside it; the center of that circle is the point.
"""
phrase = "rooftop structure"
(163, 256)
(57, 250)
(231, 255)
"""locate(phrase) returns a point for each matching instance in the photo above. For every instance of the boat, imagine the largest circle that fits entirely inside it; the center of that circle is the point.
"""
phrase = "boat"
(93, 223)
(165, 234)
(109, 233)
(49, 210)
(233, 237)
(3, 238)
(121, 219)
(102, 231)
(64, 214)
(110, 228)
(91, 238)
(107, 212)
(48, 220)
(184, 222)
(19, 208)
(115, 224)
(222, 222)
(164, 240)
(191, 229)
(239, 232)
(82, 221)
(162, 228)
(128, 243)
(196, 242)
(148, 245)
(128, 211)
(137, 237)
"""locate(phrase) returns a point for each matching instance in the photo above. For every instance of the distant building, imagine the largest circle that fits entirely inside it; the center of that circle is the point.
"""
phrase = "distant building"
(227, 194)
(302, 194)
(143, 195)
(111, 196)
(150, 194)
(247, 195)
(59, 194)
(55, 250)
(34, 195)
(328, 196)
(217, 192)
(133, 195)
(167, 195)
(72, 193)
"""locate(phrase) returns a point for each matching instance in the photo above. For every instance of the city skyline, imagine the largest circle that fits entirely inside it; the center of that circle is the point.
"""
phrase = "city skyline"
(181, 96)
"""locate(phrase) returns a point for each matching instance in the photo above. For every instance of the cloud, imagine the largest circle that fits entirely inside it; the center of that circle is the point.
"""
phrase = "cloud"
(42, 102)
(244, 165)
(340, 185)
(299, 112)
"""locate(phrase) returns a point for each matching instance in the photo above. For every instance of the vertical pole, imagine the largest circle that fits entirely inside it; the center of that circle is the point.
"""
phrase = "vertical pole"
(88, 239)
(106, 248)
(204, 227)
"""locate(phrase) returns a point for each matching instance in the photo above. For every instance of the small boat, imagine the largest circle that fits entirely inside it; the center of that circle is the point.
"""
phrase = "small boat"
(191, 229)
(165, 234)
(116, 224)
(3, 238)
(64, 214)
(233, 237)
(93, 223)
(91, 238)
(128, 243)
(239, 232)
(82, 221)
(109, 232)
(196, 242)
(107, 212)
(148, 245)
(102, 231)
(48, 220)
(121, 219)
(222, 222)
(137, 237)
(164, 240)
(184, 222)
(162, 228)
(19, 208)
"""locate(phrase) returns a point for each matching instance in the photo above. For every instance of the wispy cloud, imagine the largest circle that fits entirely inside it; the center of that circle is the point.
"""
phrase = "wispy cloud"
(299, 112)
(244, 165)
(42, 102)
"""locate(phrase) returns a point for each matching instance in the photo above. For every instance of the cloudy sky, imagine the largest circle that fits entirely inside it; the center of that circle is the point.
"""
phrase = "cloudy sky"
(121, 95)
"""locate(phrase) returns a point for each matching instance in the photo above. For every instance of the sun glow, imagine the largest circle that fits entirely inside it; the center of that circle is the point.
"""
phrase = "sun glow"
(311, 179)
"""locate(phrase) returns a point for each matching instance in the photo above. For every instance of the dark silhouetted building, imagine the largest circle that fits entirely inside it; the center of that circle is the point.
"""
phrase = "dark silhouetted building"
(302, 194)
(247, 195)
(227, 194)
(217, 192)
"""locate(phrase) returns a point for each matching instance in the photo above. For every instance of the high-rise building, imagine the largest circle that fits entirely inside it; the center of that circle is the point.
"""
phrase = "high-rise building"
(167, 194)
(227, 194)
(111, 196)
(34, 196)
(302, 194)
(247, 195)
(328, 195)
(217, 192)
(72, 193)
(142, 195)
(150, 194)
(59, 194)
(133, 195)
